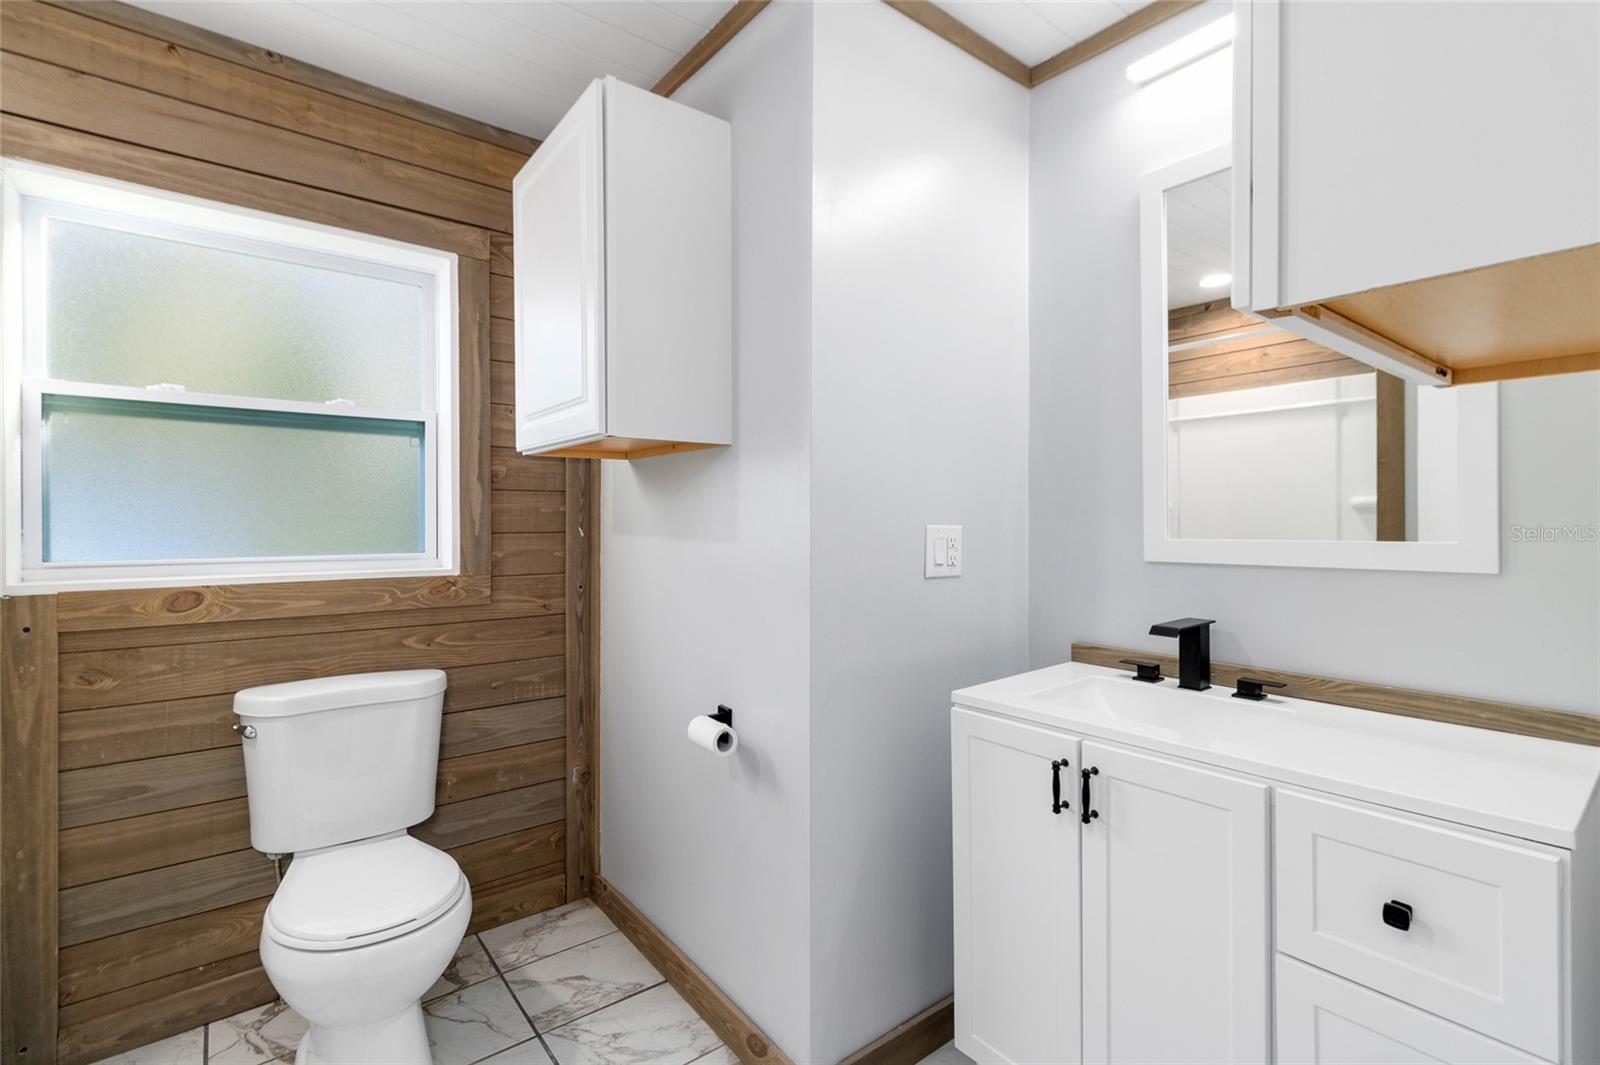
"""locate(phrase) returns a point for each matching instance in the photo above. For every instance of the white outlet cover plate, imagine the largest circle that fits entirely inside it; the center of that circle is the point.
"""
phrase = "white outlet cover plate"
(942, 552)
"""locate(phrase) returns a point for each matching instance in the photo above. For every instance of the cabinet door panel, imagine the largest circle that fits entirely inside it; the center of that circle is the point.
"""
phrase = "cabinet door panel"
(1016, 892)
(557, 204)
(1175, 915)
(1323, 1020)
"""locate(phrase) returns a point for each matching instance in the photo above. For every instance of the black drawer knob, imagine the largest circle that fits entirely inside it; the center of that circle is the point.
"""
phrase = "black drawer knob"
(1397, 914)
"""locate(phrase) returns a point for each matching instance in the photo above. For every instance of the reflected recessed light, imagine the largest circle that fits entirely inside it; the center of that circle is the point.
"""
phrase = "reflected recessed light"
(1183, 51)
(1216, 280)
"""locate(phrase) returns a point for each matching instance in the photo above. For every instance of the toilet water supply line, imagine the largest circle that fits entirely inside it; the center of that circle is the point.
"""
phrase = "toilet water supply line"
(248, 732)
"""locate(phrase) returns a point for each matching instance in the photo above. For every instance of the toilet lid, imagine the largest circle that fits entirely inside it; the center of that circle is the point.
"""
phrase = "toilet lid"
(362, 893)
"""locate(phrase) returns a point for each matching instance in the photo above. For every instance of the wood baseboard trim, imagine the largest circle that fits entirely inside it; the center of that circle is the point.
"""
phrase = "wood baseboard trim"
(737, 1031)
(1407, 702)
(912, 1041)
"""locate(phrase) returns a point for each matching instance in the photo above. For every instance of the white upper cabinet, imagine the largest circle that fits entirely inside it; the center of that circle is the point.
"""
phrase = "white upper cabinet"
(1381, 150)
(623, 243)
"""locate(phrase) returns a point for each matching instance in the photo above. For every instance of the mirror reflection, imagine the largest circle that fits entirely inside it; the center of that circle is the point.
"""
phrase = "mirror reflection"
(1273, 437)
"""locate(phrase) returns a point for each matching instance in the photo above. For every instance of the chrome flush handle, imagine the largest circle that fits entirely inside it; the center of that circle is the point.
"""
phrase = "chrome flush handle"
(247, 731)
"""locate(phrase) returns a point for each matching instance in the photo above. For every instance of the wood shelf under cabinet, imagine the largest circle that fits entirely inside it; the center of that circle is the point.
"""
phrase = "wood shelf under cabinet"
(1526, 318)
(626, 447)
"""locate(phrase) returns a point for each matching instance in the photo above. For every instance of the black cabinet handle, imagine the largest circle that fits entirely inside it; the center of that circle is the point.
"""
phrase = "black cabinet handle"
(1083, 795)
(1397, 914)
(1056, 805)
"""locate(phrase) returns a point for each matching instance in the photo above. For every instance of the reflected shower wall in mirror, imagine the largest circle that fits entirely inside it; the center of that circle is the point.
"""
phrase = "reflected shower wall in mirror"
(1264, 448)
(1273, 437)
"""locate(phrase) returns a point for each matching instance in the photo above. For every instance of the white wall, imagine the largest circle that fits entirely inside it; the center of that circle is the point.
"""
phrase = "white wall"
(881, 369)
(919, 408)
(1527, 635)
(705, 590)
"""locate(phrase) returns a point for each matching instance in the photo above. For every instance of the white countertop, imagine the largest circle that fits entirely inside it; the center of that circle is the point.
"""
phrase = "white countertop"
(1532, 788)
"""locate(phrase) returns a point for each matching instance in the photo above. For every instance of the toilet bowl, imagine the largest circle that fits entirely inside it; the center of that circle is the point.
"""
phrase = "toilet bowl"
(352, 940)
(366, 917)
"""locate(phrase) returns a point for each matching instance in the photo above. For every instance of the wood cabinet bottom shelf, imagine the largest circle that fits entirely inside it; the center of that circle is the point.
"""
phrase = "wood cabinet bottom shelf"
(625, 447)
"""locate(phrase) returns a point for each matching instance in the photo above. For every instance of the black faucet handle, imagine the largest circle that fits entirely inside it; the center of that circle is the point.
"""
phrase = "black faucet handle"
(1251, 688)
(1180, 625)
(1149, 672)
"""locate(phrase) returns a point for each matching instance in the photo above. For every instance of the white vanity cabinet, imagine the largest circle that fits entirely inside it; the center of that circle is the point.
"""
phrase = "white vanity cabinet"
(1072, 934)
(1381, 149)
(1281, 881)
(1016, 891)
(622, 234)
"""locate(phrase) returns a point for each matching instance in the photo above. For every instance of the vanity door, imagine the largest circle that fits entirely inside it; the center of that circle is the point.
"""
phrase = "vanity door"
(1015, 811)
(1176, 955)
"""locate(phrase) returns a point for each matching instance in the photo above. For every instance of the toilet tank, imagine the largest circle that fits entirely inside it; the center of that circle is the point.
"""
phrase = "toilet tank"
(338, 759)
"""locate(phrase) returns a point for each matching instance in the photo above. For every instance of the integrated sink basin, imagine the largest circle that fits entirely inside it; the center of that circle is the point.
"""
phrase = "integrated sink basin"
(1197, 718)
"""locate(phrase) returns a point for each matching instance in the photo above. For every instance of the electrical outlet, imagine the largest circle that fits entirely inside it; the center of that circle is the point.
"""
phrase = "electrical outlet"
(941, 553)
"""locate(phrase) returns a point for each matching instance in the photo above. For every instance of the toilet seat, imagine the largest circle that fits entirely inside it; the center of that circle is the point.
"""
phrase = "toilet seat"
(362, 893)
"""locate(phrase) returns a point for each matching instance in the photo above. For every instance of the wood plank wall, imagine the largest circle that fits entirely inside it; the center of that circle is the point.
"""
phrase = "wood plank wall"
(160, 896)
(1214, 348)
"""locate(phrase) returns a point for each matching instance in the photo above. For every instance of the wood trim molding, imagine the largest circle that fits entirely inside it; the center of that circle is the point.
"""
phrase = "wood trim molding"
(472, 416)
(1407, 702)
(28, 830)
(940, 22)
(583, 643)
(736, 1030)
(218, 46)
(909, 1043)
(943, 24)
(715, 40)
(1391, 440)
(1145, 18)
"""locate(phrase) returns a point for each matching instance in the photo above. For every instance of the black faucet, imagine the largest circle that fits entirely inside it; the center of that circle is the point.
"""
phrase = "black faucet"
(1194, 650)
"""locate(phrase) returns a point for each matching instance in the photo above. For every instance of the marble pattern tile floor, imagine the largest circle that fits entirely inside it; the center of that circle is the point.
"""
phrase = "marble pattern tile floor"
(562, 987)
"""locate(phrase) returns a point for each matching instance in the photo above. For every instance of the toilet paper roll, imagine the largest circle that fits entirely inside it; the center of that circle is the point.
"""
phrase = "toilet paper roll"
(713, 735)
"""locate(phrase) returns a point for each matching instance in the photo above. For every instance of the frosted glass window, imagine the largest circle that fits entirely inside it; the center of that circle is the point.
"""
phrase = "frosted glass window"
(134, 481)
(127, 308)
(214, 395)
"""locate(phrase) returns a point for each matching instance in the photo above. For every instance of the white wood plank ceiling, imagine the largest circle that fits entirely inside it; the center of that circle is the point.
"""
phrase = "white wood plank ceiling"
(1035, 30)
(1199, 238)
(517, 64)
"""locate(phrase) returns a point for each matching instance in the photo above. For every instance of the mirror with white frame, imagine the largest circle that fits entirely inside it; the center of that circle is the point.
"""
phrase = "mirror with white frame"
(1262, 447)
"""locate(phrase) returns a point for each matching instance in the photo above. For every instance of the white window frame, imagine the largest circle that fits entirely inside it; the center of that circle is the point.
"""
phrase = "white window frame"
(30, 194)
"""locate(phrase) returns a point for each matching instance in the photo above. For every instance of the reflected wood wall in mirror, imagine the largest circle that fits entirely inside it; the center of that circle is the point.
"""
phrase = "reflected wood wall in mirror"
(1264, 447)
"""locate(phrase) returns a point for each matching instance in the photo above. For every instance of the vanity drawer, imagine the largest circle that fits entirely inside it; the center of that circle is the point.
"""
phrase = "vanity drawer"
(1323, 1020)
(1483, 945)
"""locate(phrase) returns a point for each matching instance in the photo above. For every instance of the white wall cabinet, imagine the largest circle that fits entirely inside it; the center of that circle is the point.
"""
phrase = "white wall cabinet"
(622, 233)
(1380, 150)
(1073, 933)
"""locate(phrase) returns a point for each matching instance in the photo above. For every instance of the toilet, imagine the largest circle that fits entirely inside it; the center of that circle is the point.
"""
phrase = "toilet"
(366, 918)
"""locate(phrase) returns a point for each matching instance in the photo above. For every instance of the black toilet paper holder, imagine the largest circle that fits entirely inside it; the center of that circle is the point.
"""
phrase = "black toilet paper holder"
(724, 715)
